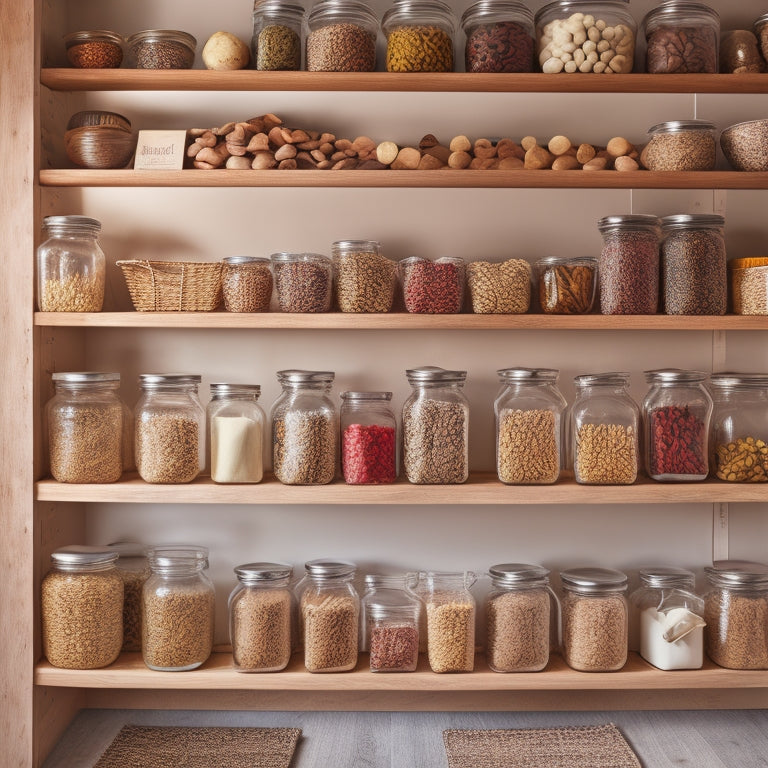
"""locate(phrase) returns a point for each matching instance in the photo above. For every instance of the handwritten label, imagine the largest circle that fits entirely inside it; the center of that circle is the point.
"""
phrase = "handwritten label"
(160, 151)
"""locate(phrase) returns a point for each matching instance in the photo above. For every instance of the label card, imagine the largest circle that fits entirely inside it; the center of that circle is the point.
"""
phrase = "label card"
(160, 151)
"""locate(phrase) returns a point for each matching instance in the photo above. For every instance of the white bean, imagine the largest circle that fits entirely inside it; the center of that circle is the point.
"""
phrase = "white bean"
(599, 67)
(570, 66)
(593, 33)
(552, 66)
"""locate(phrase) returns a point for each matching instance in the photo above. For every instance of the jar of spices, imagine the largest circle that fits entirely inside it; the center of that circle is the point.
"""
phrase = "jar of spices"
(368, 438)
(278, 27)
(82, 608)
(342, 37)
(629, 265)
(432, 287)
(529, 426)
(236, 430)
(364, 279)
(605, 423)
(71, 268)
(94, 49)
(761, 31)
(303, 281)
(260, 609)
(436, 427)
(246, 283)
(740, 52)
(499, 37)
(693, 264)
(169, 428)
(499, 288)
(676, 416)
(566, 285)
(133, 567)
(305, 427)
(161, 49)
(595, 619)
(680, 145)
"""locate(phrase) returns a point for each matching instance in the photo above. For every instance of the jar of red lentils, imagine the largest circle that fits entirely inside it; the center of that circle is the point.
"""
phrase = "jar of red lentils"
(432, 287)
(368, 438)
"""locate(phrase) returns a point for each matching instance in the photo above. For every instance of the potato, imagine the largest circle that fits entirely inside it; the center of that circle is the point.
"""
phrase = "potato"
(225, 51)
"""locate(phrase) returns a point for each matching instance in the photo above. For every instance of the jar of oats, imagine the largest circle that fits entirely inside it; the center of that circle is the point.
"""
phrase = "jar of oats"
(133, 567)
(246, 283)
(364, 279)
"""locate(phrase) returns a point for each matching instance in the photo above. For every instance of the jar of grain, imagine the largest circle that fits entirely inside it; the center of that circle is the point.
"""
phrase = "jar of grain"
(260, 610)
(566, 285)
(133, 567)
(499, 37)
(680, 145)
(605, 427)
(161, 49)
(94, 49)
(499, 288)
(432, 287)
(368, 438)
(521, 614)
(82, 608)
(436, 427)
(342, 37)
(236, 430)
(169, 428)
(305, 428)
(303, 281)
(278, 27)
(761, 31)
(419, 36)
(177, 609)
(71, 267)
(364, 279)
(739, 52)
(595, 619)
(246, 283)
(749, 285)
(736, 612)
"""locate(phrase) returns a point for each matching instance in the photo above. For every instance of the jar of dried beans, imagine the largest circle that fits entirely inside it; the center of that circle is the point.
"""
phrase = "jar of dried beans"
(680, 145)
(342, 37)
(364, 279)
(499, 37)
(566, 285)
(303, 281)
(246, 283)
(432, 287)
(278, 27)
(133, 567)
(419, 36)
(368, 438)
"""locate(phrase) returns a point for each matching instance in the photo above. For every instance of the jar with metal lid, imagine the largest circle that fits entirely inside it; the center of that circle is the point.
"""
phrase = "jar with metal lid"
(342, 37)
(521, 615)
(595, 619)
(761, 31)
(94, 49)
(278, 27)
(419, 36)
(246, 283)
(529, 426)
(432, 287)
(605, 428)
(303, 281)
(305, 427)
(629, 264)
(693, 265)
(260, 617)
(680, 145)
(178, 603)
(71, 268)
(676, 415)
(566, 285)
(82, 608)
(368, 438)
(364, 279)
(736, 612)
(133, 567)
(436, 427)
(740, 52)
(161, 49)
(169, 428)
(499, 37)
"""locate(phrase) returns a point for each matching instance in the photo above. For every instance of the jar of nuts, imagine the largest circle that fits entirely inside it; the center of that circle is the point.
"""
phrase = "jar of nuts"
(499, 37)
(419, 36)
(342, 37)
(278, 28)
(368, 438)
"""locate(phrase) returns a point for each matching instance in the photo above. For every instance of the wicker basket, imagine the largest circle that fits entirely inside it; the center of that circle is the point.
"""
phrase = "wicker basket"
(173, 286)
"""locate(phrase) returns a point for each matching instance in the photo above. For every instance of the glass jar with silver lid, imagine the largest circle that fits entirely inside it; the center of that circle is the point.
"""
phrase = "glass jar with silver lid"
(680, 145)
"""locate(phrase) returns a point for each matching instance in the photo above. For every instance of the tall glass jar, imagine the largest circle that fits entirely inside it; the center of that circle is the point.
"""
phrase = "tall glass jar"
(278, 26)
(529, 426)
(499, 37)
(605, 427)
(246, 283)
(419, 36)
(169, 428)
(364, 279)
(71, 268)
(133, 567)
(303, 281)
(305, 427)
(368, 438)
(342, 37)
(177, 609)
(436, 427)
(236, 430)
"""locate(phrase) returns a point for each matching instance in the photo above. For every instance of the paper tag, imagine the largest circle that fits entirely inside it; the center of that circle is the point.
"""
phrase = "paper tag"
(160, 151)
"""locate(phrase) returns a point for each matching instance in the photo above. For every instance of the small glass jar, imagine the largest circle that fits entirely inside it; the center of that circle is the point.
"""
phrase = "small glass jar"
(676, 415)
(680, 145)
(629, 265)
(605, 427)
(246, 284)
(499, 288)
(82, 608)
(368, 438)
(303, 281)
(169, 428)
(161, 49)
(71, 268)
(342, 37)
(694, 270)
(499, 37)
(736, 612)
(94, 49)
(595, 619)
(260, 610)
(761, 32)
(436, 427)
(419, 36)
(133, 567)
(364, 279)
(529, 426)
(566, 285)
(178, 603)
(278, 27)
(740, 52)
(305, 427)
(432, 287)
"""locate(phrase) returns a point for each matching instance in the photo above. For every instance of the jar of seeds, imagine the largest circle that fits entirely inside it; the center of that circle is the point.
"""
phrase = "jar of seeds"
(177, 609)
(342, 37)
(133, 567)
(246, 284)
(365, 280)
(82, 608)
(161, 49)
(499, 288)
(680, 145)
(566, 285)
(278, 27)
(499, 37)
(419, 36)
(368, 438)
(432, 287)
(303, 281)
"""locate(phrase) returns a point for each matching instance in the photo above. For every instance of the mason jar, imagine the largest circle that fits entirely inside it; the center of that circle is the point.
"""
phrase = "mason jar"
(342, 37)
(432, 287)
(133, 567)
(94, 49)
(680, 145)
(278, 27)
(566, 285)
(246, 283)
(419, 36)
(303, 281)
(364, 279)
(368, 438)
(499, 37)
(161, 49)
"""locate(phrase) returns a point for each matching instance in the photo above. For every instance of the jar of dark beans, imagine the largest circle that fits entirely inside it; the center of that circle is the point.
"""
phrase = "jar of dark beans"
(368, 438)
(693, 265)
(342, 37)
(761, 31)
(303, 281)
(161, 49)
(419, 36)
(740, 52)
(680, 145)
(364, 278)
(278, 27)
(432, 287)
(96, 49)
(499, 37)
(566, 285)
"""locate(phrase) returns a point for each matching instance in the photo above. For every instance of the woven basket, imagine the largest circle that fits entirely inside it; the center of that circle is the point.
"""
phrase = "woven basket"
(173, 286)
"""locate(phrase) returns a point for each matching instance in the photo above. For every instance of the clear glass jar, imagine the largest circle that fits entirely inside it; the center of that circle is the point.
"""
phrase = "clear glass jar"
(629, 265)
(605, 427)
(178, 603)
(736, 612)
(529, 426)
(693, 265)
(342, 37)
(260, 611)
(566, 285)
(94, 49)
(419, 36)
(305, 427)
(82, 608)
(246, 284)
(169, 428)
(586, 36)
(499, 37)
(236, 430)
(595, 619)
(761, 32)
(368, 438)
(432, 287)
(161, 49)
(71, 268)
(680, 145)
(436, 427)
(303, 281)
(278, 27)
(133, 567)
(676, 415)
(364, 279)
(739, 52)
(499, 287)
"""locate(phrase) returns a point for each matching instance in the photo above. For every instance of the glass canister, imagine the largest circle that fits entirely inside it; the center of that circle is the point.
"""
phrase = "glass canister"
(432, 287)
(595, 619)
(566, 285)
(761, 32)
(436, 427)
(676, 415)
(94, 49)
(305, 427)
(169, 428)
(693, 265)
(278, 27)
(161, 49)
(177, 609)
(133, 567)
(364, 279)
(368, 438)
(529, 426)
(303, 281)
(740, 52)
(342, 37)
(246, 284)
(680, 145)
(82, 608)
(499, 288)
(260, 609)
(605, 427)
(499, 37)
(71, 268)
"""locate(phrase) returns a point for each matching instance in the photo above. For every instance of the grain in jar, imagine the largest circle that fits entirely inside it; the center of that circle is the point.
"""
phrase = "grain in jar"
(566, 285)
(740, 52)
(277, 35)
(368, 438)
(94, 49)
(133, 567)
(499, 37)
(161, 49)
(499, 287)
(419, 36)
(341, 37)
(303, 281)
(364, 278)
(680, 145)
(749, 285)
(246, 283)
(432, 287)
